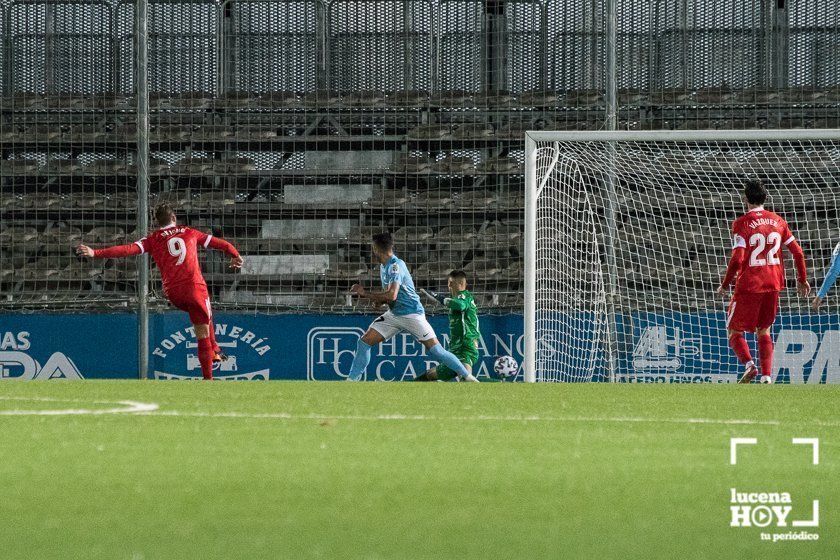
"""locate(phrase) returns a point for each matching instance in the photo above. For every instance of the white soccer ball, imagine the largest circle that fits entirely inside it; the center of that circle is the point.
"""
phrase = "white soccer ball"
(505, 367)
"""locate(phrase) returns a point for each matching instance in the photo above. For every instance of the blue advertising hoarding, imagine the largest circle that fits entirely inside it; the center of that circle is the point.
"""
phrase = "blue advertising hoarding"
(681, 347)
(657, 347)
(35, 346)
(315, 347)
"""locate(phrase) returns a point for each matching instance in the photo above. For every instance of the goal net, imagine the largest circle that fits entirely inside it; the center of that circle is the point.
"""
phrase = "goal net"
(628, 237)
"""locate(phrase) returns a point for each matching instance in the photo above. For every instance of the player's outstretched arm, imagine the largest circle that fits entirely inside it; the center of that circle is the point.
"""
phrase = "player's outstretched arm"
(830, 278)
(802, 285)
(438, 297)
(387, 296)
(226, 247)
(456, 303)
(115, 252)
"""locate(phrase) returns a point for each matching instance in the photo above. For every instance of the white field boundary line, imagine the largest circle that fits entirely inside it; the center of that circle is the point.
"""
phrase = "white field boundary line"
(124, 407)
(153, 409)
(477, 418)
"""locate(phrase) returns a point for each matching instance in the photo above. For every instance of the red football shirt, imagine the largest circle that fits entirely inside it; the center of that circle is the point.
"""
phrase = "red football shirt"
(174, 249)
(761, 233)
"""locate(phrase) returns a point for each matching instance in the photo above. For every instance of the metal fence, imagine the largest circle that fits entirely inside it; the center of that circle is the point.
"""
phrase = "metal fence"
(296, 128)
(518, 46)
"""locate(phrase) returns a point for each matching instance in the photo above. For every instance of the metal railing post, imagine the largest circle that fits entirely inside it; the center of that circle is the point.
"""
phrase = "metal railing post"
(142, 81)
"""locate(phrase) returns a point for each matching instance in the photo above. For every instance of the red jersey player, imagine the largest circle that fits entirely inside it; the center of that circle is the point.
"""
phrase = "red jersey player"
(758, 270)
(175, 251)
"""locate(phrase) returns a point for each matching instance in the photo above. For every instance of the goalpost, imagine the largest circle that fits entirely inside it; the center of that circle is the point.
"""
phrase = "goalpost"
(627, 236)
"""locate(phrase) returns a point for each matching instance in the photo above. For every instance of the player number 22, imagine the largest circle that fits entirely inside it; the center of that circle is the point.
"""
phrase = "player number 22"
(177, 248)
(757, 240)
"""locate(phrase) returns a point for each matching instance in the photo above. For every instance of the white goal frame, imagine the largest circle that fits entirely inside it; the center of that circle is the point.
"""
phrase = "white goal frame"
(533, 185)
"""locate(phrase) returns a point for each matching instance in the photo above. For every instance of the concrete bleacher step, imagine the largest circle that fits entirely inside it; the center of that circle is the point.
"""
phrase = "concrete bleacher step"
(181, 100)
(321, 98)
(432, 200)
(430, 132)
(477, 199)
(473, 131)
(308, 229)
(306, 194)
(412, 164)
(286, 264)
(108, 235)
(454, 165)
(413, 234)
(348, 271)
(409, 98)
(278, 99)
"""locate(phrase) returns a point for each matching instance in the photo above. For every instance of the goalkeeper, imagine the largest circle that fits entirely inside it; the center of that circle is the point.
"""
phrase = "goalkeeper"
(463, 326)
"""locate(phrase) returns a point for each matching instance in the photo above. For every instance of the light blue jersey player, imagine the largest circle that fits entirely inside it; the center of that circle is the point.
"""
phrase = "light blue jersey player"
(406, 313)
(830, 278)
(407, 302)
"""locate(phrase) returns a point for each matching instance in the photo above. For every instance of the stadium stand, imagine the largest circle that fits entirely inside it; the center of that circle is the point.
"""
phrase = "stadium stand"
(298, 128)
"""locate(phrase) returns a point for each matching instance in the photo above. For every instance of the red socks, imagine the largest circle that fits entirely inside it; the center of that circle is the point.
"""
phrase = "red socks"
(739, 345)
(205, 357)
(765, 351)
(765, 354)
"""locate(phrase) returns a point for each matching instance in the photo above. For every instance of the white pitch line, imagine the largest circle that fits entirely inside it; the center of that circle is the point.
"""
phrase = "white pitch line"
(127, 407)
(53, 399)
(422, 417)
(153, 409)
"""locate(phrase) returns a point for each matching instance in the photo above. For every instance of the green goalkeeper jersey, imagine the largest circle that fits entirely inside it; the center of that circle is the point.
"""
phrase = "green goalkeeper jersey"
(463, 321)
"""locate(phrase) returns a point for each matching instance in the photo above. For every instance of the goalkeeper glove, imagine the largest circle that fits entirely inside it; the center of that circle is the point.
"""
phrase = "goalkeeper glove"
(441, 298)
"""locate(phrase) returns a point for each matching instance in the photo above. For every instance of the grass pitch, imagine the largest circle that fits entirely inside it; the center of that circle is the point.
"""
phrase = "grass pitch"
(415, 471)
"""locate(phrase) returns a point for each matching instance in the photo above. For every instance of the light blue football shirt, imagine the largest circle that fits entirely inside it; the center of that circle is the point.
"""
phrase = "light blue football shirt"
(408, 302)
(832, 273)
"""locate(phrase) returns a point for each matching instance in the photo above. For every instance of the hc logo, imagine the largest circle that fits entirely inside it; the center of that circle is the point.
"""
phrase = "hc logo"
(329, 352)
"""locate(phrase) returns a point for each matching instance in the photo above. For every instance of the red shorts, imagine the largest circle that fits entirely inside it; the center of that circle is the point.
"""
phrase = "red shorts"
(750, 312)
(194, 299)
